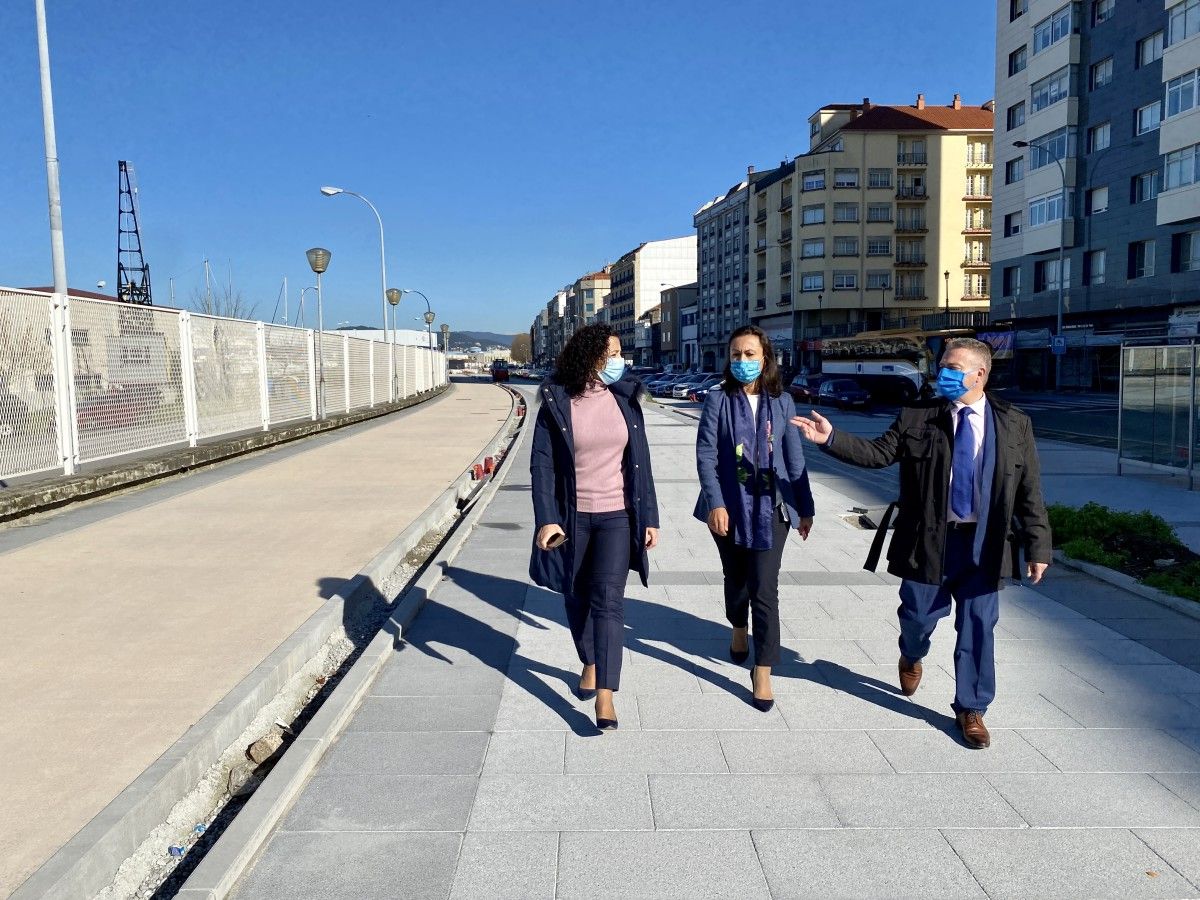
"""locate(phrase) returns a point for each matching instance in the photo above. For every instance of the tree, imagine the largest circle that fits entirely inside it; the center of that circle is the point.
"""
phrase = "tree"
(222, 301)
(522, 349)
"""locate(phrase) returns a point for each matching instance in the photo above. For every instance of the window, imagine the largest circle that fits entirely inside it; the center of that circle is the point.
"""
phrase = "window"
(1181, 166)
(1103, 10)
(1017, 60)
(1099, 137)
(879, 246)
(1054, 28)
(1150, 49)
(1141, 259)
(1045, 210)
(814, 181)
(1185, 252)
(1016, 116)
(1102, 73)
(814, 129)
(1181, 93)
(845, 246)
(1014, 170)
(813, 248)
(879, 178)
(1144, 187)
(1093, 268)
(1148, 117)
(1051, 89)
(1045, 274)
(813, 215)
(1017, 8)
(845, 178)
(1043, 151)
(879, 212)
(879, 281)
(845, 212)
(1011, 281)
(845, 281)
(1184, 21)
(1013, 223)
(1098, 200)
(812, 281)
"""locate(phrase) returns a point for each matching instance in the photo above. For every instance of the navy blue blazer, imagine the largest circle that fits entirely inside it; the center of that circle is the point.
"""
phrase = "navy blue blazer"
(718, 467)
(552, 465)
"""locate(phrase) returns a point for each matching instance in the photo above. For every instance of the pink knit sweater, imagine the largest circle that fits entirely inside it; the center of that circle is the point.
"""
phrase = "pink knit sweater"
(600, 435)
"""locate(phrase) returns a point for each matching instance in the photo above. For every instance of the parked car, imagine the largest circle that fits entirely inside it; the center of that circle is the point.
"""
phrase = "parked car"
(844, 393)
(662, 386)
(681, 389)
(700, 391)
(14, 415)
(803, 388)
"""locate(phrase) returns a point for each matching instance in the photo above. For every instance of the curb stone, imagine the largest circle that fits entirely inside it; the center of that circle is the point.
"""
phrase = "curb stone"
(1181, 605)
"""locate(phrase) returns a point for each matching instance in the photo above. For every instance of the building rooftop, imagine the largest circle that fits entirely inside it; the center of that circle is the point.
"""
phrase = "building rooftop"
(921, 117)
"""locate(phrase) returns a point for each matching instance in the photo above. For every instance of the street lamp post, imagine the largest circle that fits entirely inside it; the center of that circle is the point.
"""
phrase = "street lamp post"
(333, 192)
(318, 261)
(393, 298)
(946, 274)
(1062, 244)
(428, 318)
(300, 309)
(882, 306)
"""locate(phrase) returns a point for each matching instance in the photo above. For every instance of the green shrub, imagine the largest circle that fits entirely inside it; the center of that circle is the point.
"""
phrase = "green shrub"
(1089, 550)
(1183, 581)
(1069, 523)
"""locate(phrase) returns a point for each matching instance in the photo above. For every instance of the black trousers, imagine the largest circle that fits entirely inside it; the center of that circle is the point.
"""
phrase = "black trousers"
(752, 590)
(596, 604)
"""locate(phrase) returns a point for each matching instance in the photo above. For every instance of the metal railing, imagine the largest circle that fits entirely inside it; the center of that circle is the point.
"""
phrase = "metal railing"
(85, 380)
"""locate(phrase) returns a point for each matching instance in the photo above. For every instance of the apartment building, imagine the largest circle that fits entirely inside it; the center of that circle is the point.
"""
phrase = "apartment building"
(538, 337)
(675, 301)
(887, 219)
(585, 297)
(638, 278)
(556, 330)
(722, 269)
(1097, 201)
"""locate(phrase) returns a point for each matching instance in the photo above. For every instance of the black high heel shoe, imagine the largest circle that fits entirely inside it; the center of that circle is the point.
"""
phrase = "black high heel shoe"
(584, 693)
(760, 704)
(606, 724)
(738, 657)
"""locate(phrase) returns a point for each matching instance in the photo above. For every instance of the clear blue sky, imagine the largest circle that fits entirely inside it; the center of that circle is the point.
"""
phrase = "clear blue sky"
(510, 146)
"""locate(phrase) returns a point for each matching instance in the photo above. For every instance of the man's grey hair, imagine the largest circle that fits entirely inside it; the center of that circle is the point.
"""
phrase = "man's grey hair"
(981, 351)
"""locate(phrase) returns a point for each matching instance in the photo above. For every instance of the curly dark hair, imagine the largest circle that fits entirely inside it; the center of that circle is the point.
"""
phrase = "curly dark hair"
(580, 359)
(769, 382)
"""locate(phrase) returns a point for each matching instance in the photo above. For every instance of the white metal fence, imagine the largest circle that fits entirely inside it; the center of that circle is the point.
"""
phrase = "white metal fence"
(85, 380)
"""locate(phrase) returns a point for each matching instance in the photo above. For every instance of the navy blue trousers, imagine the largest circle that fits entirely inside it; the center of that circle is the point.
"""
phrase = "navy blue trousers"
(596, 605)
(976, 612)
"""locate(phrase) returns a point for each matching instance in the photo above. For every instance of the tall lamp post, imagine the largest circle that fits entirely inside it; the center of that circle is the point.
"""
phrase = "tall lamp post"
(300, 309)
(946, 275)
(428, 318)
(318, 261)
(333, 192)
(1062, 243)
(393, 298)
(882, 306)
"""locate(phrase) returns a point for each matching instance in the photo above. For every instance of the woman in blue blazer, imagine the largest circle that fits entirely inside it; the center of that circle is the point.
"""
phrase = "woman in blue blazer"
(594, 508)
(753, 490)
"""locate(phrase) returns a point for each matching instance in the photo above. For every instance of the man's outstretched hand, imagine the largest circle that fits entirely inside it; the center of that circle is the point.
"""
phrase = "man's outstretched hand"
(815, 427)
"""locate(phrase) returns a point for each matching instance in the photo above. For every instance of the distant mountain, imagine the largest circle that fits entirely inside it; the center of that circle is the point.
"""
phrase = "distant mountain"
(483, 338)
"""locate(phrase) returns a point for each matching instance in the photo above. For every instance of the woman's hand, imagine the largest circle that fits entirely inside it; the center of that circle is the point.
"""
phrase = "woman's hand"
(805, 527)
(814, 427)
(651, 538)
(718, 521)
(545, 533)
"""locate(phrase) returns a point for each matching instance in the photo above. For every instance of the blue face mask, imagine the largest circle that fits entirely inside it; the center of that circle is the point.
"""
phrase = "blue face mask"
(746, 371)
(949, 383)
(613, 369)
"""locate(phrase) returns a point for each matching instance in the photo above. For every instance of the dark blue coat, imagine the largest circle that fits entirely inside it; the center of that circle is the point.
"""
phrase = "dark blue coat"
(717, 465)
(552, 466)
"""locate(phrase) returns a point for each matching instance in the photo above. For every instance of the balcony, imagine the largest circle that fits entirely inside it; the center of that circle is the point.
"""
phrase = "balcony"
(785, 299)
(760, 304)
(981, 228)
(785, 267)
(762, 216)
(911, 192)
(912, 160)
(980, 197)
(937, 321)
(976, 262)
(910, 261)
(981, 161)
(785, 203)
(785, 236)
(911, 227)
(761, 245)
(910, 295)
(762, 275)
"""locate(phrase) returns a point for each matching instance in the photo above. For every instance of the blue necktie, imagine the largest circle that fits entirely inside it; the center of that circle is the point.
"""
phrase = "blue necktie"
(962, 492)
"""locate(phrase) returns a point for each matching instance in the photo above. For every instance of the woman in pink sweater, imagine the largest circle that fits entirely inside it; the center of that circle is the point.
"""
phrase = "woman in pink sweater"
(595, 510)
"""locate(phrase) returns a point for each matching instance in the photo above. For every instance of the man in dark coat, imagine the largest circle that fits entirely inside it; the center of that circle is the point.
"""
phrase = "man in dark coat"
(970, 500)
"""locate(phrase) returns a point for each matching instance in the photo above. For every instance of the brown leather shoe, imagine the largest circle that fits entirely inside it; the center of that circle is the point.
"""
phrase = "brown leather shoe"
(974, 732)
(910, 675)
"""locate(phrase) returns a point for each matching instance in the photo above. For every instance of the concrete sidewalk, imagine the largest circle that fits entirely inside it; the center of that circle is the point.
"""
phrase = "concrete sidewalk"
(471, 771)
(124, 622)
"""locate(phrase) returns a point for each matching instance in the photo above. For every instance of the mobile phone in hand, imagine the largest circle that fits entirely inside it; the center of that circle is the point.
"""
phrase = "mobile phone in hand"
(556, 540)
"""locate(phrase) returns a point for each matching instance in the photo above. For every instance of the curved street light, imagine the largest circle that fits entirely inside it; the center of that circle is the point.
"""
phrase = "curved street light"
(333, 192)
(318, 261)
(428, 317)
(393, 296)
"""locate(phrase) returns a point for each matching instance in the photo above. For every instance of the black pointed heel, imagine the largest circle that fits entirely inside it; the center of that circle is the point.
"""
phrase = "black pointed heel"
(763, 705)
(738, 656)
(606, 724)
(585, 693)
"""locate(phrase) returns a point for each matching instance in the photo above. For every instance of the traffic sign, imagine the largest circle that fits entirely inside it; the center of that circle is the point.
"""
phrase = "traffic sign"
(1058, 344)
